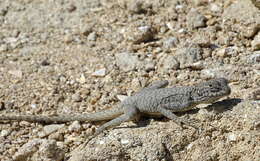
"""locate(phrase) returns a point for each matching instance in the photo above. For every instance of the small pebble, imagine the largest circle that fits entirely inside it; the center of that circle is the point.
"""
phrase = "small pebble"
(256, 42)
(75, 126)
(82, 79)
(127, 61)
(124, 141)
(195, 19)
(5, 133)
(16, 73)
(215, 8)
(48, 129)
(92, 36)
(45, 62)
(99, 73)
(232, 137)
(254, 58)
(68, 39)
(170, 63)
(3, 48)
(71, 8)
(76, 97)
(170, 43)
(150, 66)
(136, 7)
(33, 106)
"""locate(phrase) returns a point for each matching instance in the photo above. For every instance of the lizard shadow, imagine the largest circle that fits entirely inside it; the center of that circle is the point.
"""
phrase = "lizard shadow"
(217, 107)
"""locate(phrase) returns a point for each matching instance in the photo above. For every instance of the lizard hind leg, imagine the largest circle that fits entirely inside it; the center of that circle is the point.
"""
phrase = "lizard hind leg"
(130, 113)
(155, 85)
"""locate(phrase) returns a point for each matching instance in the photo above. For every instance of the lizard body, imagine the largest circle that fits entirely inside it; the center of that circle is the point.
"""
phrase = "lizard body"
(154, 99)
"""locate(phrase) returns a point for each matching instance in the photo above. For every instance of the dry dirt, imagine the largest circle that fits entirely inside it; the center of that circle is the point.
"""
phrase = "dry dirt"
(80, 56)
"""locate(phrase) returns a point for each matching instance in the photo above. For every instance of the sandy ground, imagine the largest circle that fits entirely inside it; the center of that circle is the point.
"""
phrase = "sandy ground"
(82, 56)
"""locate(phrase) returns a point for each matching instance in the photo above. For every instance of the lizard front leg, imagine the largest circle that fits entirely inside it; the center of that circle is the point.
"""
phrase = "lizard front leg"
(164, 110)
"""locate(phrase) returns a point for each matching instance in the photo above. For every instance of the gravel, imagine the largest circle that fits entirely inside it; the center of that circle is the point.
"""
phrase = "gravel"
(87, 56)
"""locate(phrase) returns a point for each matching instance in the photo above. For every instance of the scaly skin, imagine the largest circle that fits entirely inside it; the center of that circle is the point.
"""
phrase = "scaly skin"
(154, 99)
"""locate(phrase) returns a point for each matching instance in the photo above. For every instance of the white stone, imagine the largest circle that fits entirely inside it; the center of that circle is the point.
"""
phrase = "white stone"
(99, 73)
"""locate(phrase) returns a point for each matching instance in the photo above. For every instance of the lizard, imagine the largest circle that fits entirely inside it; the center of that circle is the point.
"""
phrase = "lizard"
(152, 100)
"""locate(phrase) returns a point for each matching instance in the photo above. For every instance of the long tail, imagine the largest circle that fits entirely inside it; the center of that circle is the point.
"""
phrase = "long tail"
(98, 116)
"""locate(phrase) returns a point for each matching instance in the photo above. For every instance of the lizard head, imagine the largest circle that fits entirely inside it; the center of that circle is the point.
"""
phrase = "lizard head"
(210, 91)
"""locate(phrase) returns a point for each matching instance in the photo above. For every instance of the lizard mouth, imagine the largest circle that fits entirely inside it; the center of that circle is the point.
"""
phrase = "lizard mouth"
(218, 95)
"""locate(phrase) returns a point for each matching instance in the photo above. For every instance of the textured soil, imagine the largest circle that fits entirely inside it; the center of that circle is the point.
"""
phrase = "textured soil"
(82, 56)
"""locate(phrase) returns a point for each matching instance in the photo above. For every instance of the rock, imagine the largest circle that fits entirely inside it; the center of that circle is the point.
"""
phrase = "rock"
(189, 55)
(16, 73)
(178, 6)
(99, 73)
(254, 95)
(195, 19)
(5, 133)
(199, 2)
(33, 106)
(58, 136)
(232, 137)
(127, 61)
(86, 29)
(3, 11)
(48, 129)
(3, 48)
(82, 79)
(136, 7)
(149, 66)
(170, 42)
(212, 73)
(230, 72)
(125, 141)
(256, 42)
(182, 31)
(169, 63)
(251, 31)
(227, 52)
(248, 19)
(197, 66)
(75, 126)
(68, 39)
(221, 53)
(254, 58)
(141, 34)
(92, 36)
(116, 145)
(76, 97)
(45, 62)
(215, 7)
(202, 39)
(38, 150)
(71, 8)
